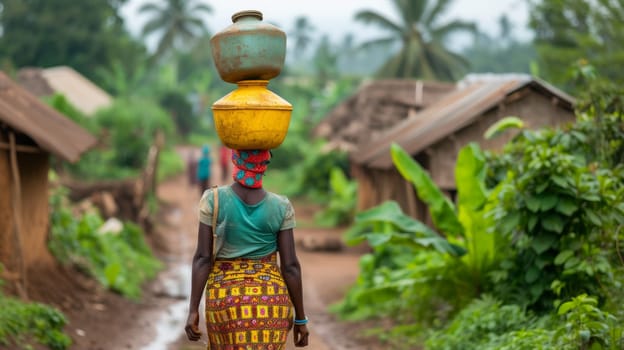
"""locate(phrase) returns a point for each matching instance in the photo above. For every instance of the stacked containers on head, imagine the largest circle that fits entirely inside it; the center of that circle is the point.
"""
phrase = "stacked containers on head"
(249, 53)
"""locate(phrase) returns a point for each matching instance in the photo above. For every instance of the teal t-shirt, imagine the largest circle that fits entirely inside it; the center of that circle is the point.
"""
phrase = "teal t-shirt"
(250, 230)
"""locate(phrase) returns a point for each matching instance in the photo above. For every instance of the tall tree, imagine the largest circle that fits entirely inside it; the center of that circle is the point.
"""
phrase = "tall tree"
(325, 62)
(302, 33)
(85, 35)
(569, 30)
(422, 40)
(177, 21)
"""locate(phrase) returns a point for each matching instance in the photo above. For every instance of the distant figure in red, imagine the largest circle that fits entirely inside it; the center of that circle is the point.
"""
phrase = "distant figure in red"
(225, 155)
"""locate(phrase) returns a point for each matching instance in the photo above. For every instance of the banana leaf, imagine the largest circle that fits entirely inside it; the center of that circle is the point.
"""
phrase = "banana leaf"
(386, 223)
(471, 199)
(441, 208)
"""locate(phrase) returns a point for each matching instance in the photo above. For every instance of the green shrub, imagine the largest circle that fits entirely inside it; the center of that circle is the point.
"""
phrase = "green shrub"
(487, 324)
(125, 131)
(62, 105)
(561, 213)
(25, 324)
(121, 262)
(314, 171)
(181, 111)
(340, 208)
(129, 127)
(586, 326)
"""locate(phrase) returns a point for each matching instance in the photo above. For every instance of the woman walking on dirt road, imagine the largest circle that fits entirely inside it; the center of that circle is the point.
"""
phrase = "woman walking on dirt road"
(249, 297)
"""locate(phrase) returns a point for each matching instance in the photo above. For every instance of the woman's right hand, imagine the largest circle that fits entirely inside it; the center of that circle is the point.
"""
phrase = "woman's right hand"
(301, 335)
(192, 326)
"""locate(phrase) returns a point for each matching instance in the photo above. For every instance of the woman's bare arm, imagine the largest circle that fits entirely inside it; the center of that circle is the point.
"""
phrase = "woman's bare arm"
(291, 271)
(202, 264)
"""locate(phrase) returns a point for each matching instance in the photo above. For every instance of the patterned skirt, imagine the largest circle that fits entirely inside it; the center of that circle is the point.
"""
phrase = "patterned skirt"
(247, 305)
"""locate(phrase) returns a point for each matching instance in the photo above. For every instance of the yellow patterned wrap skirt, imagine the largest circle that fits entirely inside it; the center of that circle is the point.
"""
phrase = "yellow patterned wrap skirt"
(247, 305)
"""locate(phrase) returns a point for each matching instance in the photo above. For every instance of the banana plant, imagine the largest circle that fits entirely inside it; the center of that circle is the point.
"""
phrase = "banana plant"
(462, 231)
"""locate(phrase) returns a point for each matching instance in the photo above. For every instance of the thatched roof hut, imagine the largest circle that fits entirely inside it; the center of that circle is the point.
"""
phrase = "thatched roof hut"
(79, 91)
(375, 107)
(435, 134)
(30, 131)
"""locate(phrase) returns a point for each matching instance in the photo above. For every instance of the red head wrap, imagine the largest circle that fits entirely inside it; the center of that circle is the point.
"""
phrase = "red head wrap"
(249, 166)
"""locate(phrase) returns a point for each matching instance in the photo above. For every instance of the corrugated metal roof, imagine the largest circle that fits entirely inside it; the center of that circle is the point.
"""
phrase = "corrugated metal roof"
(451, 113)
(51, 130)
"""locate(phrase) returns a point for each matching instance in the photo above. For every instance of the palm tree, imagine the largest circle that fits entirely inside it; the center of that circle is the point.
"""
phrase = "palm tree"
(422, 53)
(301, 33)
(177, 20)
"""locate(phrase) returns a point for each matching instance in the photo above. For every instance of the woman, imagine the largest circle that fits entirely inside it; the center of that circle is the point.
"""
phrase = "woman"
(249, 299)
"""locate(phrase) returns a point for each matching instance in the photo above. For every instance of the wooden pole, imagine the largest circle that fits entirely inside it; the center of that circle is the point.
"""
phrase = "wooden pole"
(17, 217)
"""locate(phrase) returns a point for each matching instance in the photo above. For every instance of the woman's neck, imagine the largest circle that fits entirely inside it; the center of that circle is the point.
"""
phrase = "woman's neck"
(250, 196)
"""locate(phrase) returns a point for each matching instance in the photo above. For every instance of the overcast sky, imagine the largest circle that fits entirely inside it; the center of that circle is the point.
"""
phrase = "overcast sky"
(335, 17)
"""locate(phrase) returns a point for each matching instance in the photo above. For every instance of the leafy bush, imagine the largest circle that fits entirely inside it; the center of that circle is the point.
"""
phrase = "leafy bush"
(60, 103)
(125, 131)
(121, 262)
(129, 127)
(28, 323)
(561, 213)
(588, 327)
(342, 201)
(487, 324)
(314, 169)
(181, 111)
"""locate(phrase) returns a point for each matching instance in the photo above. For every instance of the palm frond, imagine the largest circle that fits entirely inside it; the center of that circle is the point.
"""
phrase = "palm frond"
(391, 68)
(455, 26)
(447, 64)
(381, 42)
(152, 26)
(435, 12)
(371, 17)
(195, 22)
(201, 8)
(165, 43)
(151, 7)
(410, 11)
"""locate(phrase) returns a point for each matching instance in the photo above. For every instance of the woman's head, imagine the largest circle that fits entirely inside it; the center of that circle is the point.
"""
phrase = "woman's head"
(249, 166)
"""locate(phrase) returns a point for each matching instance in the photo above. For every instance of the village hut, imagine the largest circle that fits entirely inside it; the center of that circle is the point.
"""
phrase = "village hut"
(435, 134)
(81, 93)
(374, 108)
(30, 131)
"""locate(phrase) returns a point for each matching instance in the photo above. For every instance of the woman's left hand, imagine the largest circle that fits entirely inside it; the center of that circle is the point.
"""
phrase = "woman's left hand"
(301, 335)
(192, 326)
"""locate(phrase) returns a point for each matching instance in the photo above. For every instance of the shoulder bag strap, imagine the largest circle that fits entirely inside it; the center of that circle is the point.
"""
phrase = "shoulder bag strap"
(215, 214)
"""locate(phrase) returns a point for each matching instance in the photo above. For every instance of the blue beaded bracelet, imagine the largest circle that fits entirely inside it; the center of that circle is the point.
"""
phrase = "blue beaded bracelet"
(301, 322)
